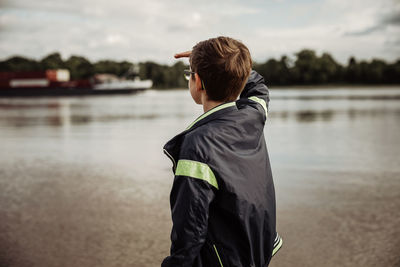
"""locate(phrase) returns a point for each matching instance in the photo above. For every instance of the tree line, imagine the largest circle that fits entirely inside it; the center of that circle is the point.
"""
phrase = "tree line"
(306, 68)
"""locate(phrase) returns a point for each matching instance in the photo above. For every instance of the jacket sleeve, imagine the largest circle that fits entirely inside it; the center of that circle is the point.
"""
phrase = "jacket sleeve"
(191, 195)
(257, 91)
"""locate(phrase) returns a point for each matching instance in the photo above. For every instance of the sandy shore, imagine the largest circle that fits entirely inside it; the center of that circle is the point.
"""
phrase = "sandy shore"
(339, 219)
(79, 215)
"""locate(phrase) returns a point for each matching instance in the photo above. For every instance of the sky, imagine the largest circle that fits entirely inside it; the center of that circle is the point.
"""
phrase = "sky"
(154, 30)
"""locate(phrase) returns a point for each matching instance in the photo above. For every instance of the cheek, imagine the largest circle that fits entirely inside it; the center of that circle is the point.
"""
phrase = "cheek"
(195, 95)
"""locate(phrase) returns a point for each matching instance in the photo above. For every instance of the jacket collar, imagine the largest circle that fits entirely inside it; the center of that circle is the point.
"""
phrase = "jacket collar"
(172, 147)
(205, 117)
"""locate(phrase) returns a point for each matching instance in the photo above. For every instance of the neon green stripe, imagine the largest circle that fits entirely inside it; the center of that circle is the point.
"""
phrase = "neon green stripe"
(197, 170)
(261, 102)
(216, 251)
(277, 247)
(211, 111)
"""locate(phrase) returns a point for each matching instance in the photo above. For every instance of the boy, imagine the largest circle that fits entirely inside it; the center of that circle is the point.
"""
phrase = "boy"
(223, 198)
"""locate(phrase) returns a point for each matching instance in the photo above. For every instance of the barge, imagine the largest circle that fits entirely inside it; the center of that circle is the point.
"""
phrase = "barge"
(58, 83)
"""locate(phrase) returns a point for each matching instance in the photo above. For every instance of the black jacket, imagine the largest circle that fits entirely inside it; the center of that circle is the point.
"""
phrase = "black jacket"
(223, 197)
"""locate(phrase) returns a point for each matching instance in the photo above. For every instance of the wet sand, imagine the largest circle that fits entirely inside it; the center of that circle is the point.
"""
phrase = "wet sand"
(81, 216)
(55, 214)
(339, 219)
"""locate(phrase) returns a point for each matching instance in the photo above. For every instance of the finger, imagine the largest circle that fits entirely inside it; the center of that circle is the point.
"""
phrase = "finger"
(183, 54)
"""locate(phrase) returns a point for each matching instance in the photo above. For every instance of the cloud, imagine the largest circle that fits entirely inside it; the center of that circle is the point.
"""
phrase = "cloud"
(81, 26)
(154, 30)
(383, 32)
(390, 19)
(366, 31)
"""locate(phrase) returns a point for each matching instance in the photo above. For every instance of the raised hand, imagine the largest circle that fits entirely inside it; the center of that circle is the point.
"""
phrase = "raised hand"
(183, 54)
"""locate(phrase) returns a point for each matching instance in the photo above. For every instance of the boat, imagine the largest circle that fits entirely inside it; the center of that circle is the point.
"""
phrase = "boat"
(57, 83)
(110, 82)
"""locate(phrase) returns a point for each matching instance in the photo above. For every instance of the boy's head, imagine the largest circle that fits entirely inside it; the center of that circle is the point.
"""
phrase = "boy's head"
(223, 65)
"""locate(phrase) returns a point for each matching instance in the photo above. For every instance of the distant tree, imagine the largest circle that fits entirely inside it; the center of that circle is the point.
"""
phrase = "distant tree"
(375, 71)
(79, 67)
(285, 75)
(271, 71)
(306, 67)
(153, 71)
(275, 72)
(125, 67)
(18, 63)
(328, 69)
(52, 61)
(174, 77)
(107, 66)
(363, 66)
(353, 71)
(392, 72)
(164, 76)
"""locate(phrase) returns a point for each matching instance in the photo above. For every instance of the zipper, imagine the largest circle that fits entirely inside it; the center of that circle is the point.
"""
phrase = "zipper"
(172, 159)
(216, 252)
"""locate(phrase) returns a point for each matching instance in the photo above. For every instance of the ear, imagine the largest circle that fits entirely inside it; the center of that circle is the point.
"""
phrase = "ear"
(199, 86)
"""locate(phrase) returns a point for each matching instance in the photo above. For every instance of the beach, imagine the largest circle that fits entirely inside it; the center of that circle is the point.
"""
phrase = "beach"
(104, 221)
(351, 219)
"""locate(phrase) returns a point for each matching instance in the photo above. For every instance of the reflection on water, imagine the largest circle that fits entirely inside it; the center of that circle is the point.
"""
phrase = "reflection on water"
(68, 119)
(327, 115)
(336, 97)
(300, 131)
(304, 115)
(299, 105)
(310, 115)
(64, 117)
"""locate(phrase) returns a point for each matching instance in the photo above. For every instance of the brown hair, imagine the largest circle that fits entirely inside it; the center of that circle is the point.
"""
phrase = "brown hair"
(224, 65)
